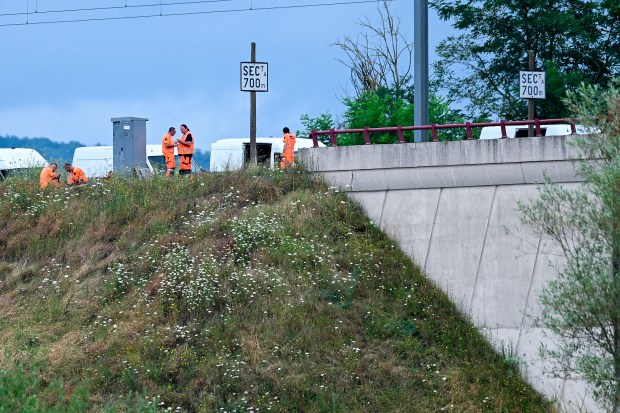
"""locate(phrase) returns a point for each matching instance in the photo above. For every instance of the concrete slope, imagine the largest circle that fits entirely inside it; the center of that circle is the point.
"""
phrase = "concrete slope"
(452, 207)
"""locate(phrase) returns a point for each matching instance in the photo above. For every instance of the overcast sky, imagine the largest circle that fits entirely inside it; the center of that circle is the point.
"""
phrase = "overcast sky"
(65, 81)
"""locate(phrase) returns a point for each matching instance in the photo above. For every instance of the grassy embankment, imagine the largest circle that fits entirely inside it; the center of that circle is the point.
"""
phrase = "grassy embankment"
(245, 291)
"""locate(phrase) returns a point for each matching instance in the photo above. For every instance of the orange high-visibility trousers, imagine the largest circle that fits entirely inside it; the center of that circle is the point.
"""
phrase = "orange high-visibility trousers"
(170, 163)
(186, 164)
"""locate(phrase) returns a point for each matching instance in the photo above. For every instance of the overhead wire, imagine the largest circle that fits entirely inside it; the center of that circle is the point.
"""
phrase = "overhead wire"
(101, 8)
(164, 14)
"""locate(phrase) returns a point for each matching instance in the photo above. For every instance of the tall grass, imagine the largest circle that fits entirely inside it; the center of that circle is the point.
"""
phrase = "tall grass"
(255, 290)
(23, 390)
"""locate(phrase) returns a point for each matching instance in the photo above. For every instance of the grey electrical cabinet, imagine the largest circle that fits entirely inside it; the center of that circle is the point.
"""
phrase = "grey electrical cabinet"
(129, 145)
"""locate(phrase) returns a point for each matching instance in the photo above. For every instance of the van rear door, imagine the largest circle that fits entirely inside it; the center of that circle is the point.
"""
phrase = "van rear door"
(263, 154)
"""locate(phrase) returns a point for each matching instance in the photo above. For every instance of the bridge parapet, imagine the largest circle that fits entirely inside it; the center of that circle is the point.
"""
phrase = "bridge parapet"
(446, 164)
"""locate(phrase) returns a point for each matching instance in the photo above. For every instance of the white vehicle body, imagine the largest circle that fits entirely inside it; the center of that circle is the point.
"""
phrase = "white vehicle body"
(521, 131)
(14, 160)
(97, 161)
(232, 154)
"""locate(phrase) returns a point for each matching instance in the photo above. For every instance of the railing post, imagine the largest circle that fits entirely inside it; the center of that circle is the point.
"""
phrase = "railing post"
(315, 139)
(502, 125)
(538, 131)
(399, 133)
(573, 129)
(366, 136)
(434, 129)
(468, 130)
(332, 137)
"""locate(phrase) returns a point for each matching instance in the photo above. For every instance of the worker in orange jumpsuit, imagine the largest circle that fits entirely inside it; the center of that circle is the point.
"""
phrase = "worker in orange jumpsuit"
(186, 151)
(288, 154)
(49, 176)
(76, 175)
(167, 148)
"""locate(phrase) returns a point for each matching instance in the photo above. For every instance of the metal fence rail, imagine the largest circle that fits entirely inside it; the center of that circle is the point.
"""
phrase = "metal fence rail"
(434, 128)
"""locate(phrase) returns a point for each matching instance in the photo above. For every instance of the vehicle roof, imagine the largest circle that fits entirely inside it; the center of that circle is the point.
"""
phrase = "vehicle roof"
(151, 149)
(155, 150)
(553, 129)
(92, 149)
(12, 158)
(235, 143)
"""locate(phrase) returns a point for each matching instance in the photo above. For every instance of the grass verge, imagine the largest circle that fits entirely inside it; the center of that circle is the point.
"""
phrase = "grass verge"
(255, 290)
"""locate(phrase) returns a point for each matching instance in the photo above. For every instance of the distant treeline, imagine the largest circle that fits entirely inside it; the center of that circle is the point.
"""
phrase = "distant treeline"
(63, 152)
(51, 151)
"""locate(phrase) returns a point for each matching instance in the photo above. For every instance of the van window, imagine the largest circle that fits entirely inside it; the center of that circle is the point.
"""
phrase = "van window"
(158, 163)
(523, 132)
(17, 172)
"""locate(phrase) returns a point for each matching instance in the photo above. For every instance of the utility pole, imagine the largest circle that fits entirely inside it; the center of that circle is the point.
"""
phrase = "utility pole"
(420, 59)
(531, 109)
(253, 158)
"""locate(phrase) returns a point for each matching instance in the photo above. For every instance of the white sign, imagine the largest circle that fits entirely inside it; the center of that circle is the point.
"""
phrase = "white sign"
(254, 77)
(532, 85)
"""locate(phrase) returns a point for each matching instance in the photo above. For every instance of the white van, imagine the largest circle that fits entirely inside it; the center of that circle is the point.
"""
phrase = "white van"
(521, 131)
(232, 154)
(19, 160)
(97, 161)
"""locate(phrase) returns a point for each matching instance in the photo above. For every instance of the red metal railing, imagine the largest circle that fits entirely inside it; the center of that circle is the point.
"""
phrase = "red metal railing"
(434, 128)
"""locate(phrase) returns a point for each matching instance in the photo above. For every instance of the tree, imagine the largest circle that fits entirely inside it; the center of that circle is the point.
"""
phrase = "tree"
(322, 122)
(380, 62)
(582, 307)
(380, 56)
(573, 40)
(388, 107)
(52, 151)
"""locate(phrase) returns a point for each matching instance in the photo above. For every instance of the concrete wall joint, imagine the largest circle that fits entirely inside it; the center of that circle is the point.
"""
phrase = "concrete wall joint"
(482, 249)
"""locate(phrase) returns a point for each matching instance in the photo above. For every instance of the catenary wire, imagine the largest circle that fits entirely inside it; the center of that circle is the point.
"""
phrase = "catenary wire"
(144, 16)
(147, 5)
(126, 6)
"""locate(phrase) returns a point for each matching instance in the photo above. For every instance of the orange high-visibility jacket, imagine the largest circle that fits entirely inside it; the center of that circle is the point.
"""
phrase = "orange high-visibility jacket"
(167, 140)
(46, 177)
(186, 150)
(77, 177)
(289, 147)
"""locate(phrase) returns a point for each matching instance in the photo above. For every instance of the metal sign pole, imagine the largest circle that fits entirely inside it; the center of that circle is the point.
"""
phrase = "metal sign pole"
(420, 50)
(531, 109)
(253, 158)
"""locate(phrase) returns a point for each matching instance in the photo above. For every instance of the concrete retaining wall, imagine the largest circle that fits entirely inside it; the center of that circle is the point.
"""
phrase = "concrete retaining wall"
(452, 207)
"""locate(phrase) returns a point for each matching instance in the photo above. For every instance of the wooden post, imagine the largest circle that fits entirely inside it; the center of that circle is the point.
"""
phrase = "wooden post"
(531, 109)
(253, 157)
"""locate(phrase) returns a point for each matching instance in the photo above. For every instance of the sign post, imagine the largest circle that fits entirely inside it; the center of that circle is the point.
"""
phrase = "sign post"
(254, 78)
(532, 85)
